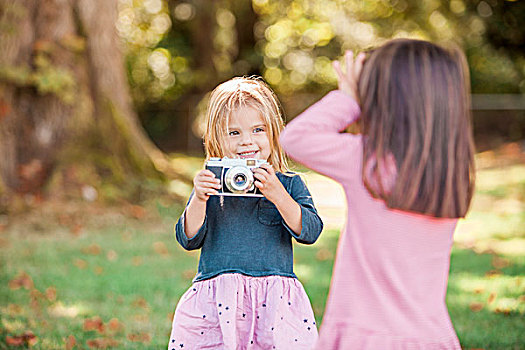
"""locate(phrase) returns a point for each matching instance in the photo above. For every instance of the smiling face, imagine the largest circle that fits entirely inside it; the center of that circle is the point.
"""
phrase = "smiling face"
(247, 135)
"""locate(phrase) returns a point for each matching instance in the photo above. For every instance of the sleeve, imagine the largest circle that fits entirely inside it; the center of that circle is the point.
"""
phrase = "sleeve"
(194, 242)
(311, 222)
(315, 138)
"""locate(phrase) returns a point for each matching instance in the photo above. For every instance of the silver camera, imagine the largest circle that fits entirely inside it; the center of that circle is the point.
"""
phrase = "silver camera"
(236, 175)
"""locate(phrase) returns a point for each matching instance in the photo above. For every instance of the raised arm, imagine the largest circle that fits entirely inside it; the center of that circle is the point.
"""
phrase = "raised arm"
(315, 138)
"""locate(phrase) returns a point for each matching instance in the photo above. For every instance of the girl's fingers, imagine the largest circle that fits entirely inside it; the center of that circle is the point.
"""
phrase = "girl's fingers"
(337, 69)
(358, 65)
(268, 168)
(259, 175)
(349, 58)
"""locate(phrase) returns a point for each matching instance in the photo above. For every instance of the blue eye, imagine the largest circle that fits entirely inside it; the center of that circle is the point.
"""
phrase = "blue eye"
(233, 133)
(258, 129)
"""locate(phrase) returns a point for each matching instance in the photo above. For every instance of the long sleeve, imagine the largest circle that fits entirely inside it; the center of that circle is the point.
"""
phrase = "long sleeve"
(190, 243)
(312, 225)
(315, 138)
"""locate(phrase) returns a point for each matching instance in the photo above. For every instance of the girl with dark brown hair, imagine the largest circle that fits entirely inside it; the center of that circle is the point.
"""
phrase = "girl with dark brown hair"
(408, 177)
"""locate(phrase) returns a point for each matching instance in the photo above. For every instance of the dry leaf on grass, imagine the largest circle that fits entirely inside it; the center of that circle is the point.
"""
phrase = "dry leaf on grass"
(102, 343)
(323, 254)
(160, 248)
(81, 264)
(25, 339)
(93, 249)
(140, 302)
(21, 280)
(51, 294)
(71, 342)
(491, 298)
(137, 212)
(500, 263)
(94, 324)
(188, 274)
(139, 337)
(115, 325)
(475, 306)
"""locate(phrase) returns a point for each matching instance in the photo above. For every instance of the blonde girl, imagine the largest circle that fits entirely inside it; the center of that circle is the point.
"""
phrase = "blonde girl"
(408, 177)
(245, 294)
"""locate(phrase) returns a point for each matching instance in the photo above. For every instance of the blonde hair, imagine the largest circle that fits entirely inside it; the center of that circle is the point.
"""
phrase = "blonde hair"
(234, 94)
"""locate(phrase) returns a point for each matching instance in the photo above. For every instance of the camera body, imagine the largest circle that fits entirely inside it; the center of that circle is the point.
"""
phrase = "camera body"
(236, 175)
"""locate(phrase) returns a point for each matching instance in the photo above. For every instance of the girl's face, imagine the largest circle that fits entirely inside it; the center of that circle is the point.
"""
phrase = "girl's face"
(247, 135)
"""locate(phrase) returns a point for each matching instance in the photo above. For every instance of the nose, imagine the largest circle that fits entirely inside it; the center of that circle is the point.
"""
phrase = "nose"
(246, 139)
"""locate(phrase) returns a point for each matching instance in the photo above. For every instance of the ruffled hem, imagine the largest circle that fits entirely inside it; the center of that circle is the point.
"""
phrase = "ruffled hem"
(340, 335)
(234, 311)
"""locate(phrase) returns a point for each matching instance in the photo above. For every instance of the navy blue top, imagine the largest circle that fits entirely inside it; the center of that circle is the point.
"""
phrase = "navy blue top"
(248, 234)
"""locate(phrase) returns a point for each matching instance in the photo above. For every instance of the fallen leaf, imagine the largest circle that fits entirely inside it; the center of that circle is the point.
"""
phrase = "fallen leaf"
(94, 324)
(71, 342)
(475, 306)
(21, 280)
(76, 229)
(81, 264)
(115, 325)
(140, 302)
(51, 293)
(491, 298)
(493, 273)
(139, 337)
(188, 274)
(93, 249)
(137, 211)
(500, 263)
(160, 248)
(479, 290)
(14, 341)
(502, 310)
(102, 343)
(27, 338)
(323, 254)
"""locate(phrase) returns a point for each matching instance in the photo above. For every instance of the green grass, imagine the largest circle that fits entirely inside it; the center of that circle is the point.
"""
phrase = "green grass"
(127, 274)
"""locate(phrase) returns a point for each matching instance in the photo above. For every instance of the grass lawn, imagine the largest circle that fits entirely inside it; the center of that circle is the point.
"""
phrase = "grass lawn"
(86, 276)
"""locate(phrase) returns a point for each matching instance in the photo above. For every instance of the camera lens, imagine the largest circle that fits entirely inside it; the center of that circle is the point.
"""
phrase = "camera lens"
(238, 179)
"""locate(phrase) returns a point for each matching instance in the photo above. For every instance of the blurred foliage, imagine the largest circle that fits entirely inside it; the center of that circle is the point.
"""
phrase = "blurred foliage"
(45, 78)
(182, 49)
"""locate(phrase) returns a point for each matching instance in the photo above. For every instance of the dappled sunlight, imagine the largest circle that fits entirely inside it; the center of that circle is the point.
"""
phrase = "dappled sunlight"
(304, 272)
(60, 310)
(495, 293)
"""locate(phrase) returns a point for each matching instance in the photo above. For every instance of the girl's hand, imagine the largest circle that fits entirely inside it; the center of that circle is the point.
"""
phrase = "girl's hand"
(268, 183)
(205, 184)
(348, 80)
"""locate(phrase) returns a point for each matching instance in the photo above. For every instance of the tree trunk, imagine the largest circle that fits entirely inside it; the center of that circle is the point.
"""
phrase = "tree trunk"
(64, 98)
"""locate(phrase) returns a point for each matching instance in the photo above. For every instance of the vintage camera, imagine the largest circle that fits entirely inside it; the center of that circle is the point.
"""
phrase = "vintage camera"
(236, 175)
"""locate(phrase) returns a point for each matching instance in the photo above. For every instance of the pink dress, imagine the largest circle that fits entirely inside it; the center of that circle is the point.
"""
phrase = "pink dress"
(390, 276)
(234, 311)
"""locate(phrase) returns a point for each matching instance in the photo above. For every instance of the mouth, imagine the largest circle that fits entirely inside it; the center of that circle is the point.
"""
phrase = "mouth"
(248, 154)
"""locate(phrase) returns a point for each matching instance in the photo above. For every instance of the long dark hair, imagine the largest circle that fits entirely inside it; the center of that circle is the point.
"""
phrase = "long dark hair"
(416, 121)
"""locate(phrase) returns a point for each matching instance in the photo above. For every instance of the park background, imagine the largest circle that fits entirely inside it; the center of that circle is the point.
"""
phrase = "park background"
(101, 106)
